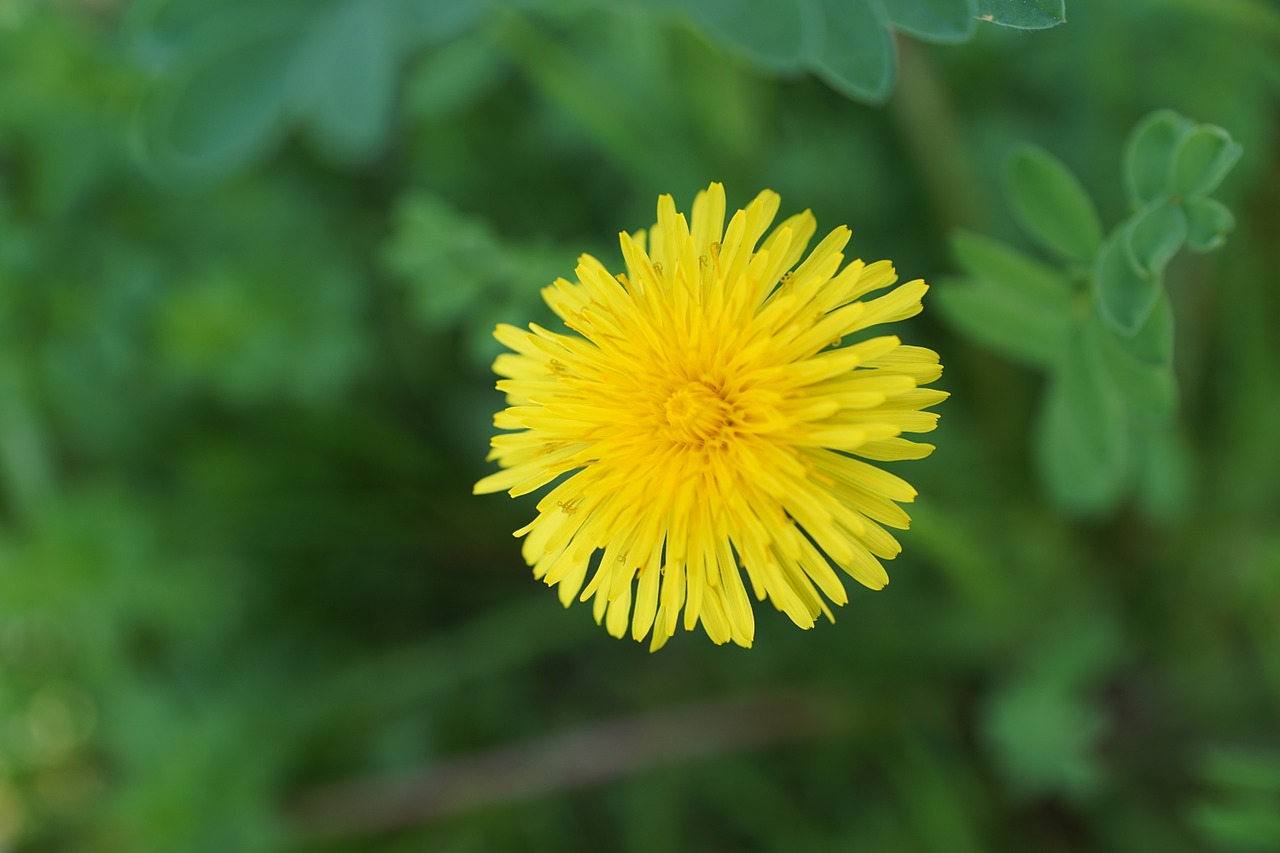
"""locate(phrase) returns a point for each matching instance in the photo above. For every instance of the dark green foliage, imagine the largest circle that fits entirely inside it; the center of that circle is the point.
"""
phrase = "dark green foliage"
(251, 256)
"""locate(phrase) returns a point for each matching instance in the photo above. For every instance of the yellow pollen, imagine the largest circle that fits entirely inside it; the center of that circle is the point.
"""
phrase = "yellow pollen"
(697, 414)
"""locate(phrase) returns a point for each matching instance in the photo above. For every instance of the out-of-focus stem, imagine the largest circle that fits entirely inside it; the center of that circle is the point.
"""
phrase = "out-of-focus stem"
(928, 125)
(560, 762)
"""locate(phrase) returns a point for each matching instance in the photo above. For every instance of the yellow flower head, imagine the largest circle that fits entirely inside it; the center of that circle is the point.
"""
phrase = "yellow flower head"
(705, 422)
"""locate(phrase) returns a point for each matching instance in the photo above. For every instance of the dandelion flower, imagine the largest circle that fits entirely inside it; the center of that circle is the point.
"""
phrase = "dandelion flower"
(701, 422)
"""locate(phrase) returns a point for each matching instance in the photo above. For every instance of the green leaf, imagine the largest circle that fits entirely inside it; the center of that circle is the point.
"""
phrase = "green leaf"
(1153, 236)
(1153, 343)
(228, 103)
(1044, 739)
(1051, 204)
(1023, 14)
(855, 53)
(933, 20)
(1166, 474)
(1124, 298)
(1019, 328)
(447, 259)
(1208, 223)
(774, 35)
(1082, 436)
(1148, 386)
(347, 69)
(1149, 154)
(1011, 303)
(1203, 158)
(849, 43)
(990, 259)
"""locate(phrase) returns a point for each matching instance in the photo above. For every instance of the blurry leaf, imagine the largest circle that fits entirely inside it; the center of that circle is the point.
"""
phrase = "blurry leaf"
(1051, 204)
(1208, 223)
(773, 33)
(1015, 272)
(1124, 297)
(1021, 329)
(1153, 343)
(1011, 302)
(1044, 738)
(938, 798)
(1249, 826)
(1242, 770)
(1166, 474)
(459, 274)
(445, 255)
(1040, 724)
(437, 21)
(1153, 236)
(1203, 158)
(249, 339)
(453, 77)
(346, 76)
(1023, 14)
(244, 73)
(1082, 437)
(178, 754)
(1149, 155)
(26, 469)
(1149, 387)
(1094, 398)
(933, 20)
(229, 103)
(855, 52)
(848, 43)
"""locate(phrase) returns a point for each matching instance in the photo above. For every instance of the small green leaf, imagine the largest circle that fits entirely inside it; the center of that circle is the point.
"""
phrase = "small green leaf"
(1027, 330)
(1208, 224)
(1150, 387)
(1051, 204)
(990, 259)
(1124, 298)
(1092, 392)
(1203, 158)
(1153, 343)
(1153, 236)
(1149, 155)
(1083, 434)
(1166, 474)
(1011, 303)
(855, 53)
(933, 20)
(1043, 739)
(1023, 14)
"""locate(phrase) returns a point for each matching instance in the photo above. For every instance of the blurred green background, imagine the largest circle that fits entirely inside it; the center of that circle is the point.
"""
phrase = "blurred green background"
(250, 256)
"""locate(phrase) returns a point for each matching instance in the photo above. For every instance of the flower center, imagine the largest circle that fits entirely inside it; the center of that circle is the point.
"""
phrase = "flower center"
(697, 414)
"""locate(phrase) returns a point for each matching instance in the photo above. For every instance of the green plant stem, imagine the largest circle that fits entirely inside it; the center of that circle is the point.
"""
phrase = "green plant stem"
(928, 124)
